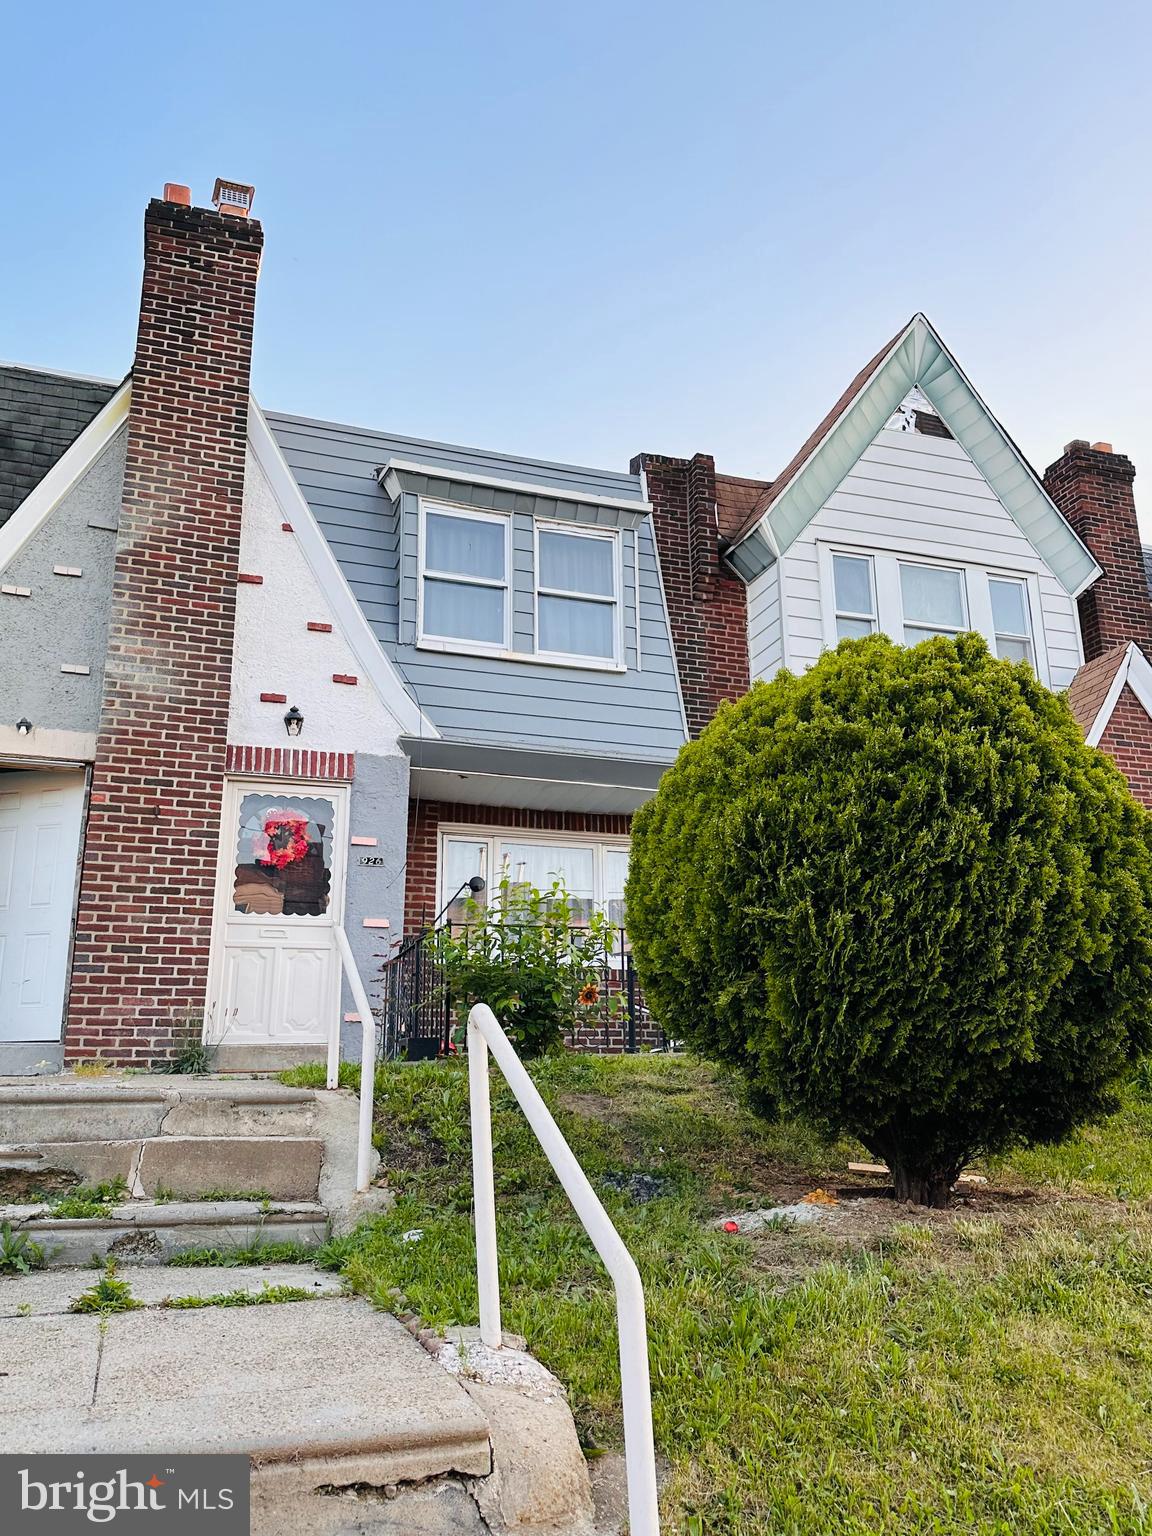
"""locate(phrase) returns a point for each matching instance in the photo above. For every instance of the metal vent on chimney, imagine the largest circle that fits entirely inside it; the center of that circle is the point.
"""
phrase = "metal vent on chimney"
(233, 197)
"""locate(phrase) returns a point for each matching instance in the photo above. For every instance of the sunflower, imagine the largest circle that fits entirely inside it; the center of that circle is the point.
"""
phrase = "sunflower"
(588, 994)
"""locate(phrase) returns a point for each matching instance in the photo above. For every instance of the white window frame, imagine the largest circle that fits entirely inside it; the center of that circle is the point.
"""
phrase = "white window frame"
(1029, 611)
(886, 565)
(839, 613)
(495, 836)
(434, 642)
(605, 535)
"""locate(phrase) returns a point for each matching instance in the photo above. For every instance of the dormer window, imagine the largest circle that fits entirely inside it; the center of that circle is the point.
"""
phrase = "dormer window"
(464, 581)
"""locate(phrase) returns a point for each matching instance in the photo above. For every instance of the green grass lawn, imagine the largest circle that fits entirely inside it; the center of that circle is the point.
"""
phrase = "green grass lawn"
(985, 1370)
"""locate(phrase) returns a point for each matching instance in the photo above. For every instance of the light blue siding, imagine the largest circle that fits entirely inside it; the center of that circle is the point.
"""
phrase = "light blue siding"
(633, 714)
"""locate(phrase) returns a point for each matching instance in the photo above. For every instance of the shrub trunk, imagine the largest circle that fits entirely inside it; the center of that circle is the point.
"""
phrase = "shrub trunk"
(923, 1186)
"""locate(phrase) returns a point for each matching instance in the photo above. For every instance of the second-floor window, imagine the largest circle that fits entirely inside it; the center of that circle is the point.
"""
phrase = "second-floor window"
(914, 599)
(464, 585)
(577, 593)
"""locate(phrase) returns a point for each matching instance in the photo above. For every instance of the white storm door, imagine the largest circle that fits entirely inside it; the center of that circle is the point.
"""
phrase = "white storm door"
(276, 973)
(40, 819)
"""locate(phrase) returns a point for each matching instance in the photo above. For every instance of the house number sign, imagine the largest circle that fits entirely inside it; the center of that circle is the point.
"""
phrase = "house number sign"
(373, 860)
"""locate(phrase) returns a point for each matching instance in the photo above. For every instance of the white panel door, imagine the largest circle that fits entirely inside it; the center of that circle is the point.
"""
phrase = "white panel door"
(40, 817)
(275, 971)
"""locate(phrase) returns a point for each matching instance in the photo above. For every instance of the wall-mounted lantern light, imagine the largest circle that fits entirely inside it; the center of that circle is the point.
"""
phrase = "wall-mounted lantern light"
(293, 721)
(24, 727)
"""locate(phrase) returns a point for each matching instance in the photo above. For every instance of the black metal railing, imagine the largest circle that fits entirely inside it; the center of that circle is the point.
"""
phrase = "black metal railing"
(419, 1015)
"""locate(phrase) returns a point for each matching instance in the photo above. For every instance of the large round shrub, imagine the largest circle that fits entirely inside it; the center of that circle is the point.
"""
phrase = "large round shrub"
(907, 900)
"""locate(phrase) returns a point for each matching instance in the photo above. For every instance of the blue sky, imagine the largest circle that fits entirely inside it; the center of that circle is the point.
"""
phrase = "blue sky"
(581, 231)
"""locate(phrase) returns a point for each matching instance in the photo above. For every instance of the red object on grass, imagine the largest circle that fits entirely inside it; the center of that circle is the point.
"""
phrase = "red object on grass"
(731, 1226)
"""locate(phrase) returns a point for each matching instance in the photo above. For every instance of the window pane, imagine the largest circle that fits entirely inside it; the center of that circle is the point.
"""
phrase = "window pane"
(1009, 609)
(577, 628)
(464, 546)
(463, 858)
(541, 864)
(283, 856)
(932, 597)
(853, 585)
(460, 612)
(1012, 649)
(615, 874)
(575, 564)
(852, 629)
(913, 634)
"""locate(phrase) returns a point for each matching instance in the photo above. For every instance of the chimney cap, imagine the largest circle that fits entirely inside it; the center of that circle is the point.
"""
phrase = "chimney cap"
(233, 197)
(1102, 447)
(1077, 442)
(175, 193)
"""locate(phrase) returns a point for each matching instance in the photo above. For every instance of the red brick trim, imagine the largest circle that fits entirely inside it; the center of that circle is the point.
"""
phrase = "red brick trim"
(320, 629)
(273, 698)
(290, 763)
(426, 817)
(250, 580)
(1127, 739)
(345, 677)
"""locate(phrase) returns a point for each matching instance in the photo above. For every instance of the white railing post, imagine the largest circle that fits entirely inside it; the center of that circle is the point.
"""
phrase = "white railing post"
(367, 1060)
(484, 1033)
(483, 1190)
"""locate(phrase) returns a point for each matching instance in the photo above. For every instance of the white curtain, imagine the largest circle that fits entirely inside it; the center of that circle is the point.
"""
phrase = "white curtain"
(464, 546)
(933, 598)
(577, 628)
(572, 563)
(459, 611)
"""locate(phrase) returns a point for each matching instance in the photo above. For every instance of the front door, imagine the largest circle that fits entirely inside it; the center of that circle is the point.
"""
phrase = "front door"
(40, 818)
(276, 970)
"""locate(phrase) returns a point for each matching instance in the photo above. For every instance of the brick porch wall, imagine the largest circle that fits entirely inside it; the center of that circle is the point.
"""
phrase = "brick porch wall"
(147, 883)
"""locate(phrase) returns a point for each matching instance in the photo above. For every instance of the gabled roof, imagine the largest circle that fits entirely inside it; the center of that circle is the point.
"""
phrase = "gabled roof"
(41, 415)
(916, 356)
(736, 499)
(1095, 690)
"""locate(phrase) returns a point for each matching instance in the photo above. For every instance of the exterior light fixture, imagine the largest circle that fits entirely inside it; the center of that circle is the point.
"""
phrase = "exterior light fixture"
(24, 727)
(293, 721)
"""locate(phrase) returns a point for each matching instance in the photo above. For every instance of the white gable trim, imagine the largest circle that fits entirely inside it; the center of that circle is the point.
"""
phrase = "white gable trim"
(324, 566)
(40, 503)
(919, 358)
(1134, 672)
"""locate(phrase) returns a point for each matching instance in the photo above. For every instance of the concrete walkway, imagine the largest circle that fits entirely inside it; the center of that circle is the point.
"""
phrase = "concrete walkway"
(329, 1380)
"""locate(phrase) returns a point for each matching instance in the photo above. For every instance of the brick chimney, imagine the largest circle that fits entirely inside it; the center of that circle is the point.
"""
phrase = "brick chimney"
(707, 604)
(1092, 486)
(147, 885)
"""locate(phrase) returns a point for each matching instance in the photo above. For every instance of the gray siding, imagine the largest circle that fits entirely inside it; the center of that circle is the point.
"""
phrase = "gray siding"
(493, 700)
(379, 809)
(65, 620)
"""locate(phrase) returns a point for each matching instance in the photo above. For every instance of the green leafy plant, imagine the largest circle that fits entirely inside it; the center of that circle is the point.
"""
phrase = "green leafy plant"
(528, 959)
(90, 1200)
(195, 1056)
(907, 900)
(108, 1294)
(19, 1255)
(266, 1296)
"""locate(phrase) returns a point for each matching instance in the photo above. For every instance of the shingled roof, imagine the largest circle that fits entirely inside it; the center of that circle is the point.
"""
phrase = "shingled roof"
(41, 415)
(1092, 685)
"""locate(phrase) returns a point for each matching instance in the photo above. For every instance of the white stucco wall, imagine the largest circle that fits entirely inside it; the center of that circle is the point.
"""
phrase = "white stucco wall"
(276, 652)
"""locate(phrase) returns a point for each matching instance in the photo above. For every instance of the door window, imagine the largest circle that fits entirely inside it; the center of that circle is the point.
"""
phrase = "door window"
(284, 856)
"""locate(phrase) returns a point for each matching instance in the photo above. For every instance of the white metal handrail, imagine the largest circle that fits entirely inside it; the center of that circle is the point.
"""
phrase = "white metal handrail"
(367, 1058)
(484, 1033)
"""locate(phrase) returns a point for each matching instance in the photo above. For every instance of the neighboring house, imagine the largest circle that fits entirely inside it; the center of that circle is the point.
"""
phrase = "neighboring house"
(263, 676)
(909, 510)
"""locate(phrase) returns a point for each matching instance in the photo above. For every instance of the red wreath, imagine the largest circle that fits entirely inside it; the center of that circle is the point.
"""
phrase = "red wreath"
(287, 838)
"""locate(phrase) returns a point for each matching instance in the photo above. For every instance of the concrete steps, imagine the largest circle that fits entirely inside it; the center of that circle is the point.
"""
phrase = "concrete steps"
(205, 1162)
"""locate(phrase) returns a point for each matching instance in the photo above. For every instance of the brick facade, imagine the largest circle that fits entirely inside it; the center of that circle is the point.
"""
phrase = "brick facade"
(1127, 739)
(426, 817)
(1093, 489)
(707, 604)
(144, 922)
